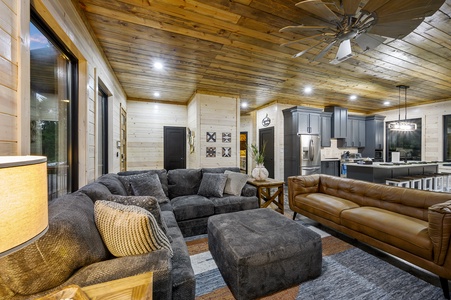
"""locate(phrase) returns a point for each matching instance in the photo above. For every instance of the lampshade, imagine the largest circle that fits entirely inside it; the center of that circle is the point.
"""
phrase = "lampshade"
(23, 201)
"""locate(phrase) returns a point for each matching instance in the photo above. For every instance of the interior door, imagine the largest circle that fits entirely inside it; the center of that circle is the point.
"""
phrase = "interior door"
(174, 147)
(266, 135)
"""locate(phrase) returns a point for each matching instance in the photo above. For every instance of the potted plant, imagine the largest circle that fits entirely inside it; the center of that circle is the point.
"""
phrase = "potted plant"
(259, 173)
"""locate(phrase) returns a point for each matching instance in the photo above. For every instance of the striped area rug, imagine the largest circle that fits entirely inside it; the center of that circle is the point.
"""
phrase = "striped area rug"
(348, 273)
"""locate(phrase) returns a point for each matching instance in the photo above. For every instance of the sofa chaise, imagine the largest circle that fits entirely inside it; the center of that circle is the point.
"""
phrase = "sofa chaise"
(411, 224)
(85, 243)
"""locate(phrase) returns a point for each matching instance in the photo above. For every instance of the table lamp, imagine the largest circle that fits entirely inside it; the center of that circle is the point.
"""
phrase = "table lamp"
(23, 201)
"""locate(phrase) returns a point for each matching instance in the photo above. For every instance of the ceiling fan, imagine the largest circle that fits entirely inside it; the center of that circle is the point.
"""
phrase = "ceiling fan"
(365, 22)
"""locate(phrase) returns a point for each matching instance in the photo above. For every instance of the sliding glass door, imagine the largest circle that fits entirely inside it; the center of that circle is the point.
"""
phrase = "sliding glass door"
(53, 108)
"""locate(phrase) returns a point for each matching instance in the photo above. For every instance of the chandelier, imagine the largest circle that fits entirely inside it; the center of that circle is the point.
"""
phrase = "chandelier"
(402, 125)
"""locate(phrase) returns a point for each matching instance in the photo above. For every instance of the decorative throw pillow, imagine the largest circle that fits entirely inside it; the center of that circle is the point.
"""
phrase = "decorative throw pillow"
(235, 182)
(149, 203)
(212, 185)
(128, 229)
(144, 184)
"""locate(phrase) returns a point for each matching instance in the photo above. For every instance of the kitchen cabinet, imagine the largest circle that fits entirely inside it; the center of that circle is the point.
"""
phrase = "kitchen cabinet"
(339, 121)
(374, 136)
(326, 129)
(330, 167)
(309, 123)
(355, 133)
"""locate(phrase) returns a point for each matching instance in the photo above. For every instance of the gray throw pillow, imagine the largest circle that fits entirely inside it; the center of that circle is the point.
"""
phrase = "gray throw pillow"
(235, 182)
(212, 185)
(144, 184)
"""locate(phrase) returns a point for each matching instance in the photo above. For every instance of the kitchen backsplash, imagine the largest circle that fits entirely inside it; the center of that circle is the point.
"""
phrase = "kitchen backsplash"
(334, 152)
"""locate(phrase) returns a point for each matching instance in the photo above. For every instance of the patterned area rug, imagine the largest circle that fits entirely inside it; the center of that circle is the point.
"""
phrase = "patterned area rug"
(348, 273)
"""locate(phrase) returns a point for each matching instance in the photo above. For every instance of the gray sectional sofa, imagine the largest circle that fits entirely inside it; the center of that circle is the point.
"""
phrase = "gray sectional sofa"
(73, 250)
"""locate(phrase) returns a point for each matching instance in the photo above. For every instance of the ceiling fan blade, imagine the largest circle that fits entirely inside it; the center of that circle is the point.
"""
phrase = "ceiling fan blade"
(306, 50)
(325, 50)
(372, 5)
(320, 9)
(306, 38)
(303, 27)
(396, 30)
(407, 10)
(344, 52)
(350, 7)
(369, 41)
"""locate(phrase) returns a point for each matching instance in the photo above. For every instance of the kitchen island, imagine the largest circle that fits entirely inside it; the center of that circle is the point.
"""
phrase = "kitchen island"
(379, 172)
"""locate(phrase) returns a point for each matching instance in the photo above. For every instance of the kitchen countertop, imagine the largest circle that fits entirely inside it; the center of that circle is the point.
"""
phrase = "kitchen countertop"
(383, 165)
(330, 159)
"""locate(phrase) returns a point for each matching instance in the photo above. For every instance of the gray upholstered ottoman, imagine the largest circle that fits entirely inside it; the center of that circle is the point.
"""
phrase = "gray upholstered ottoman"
(259, 251)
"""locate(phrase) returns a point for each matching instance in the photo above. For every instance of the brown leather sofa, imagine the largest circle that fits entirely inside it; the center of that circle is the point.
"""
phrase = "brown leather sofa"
(411, 224)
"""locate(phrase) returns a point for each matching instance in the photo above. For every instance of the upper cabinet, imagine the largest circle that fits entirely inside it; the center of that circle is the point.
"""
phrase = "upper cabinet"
(374, 136)
(355, 132)
(305, 120)
(339, 121)
(326, 129)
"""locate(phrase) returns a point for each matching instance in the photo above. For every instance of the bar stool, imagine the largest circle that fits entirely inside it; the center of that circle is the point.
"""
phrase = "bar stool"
(415, 182)
(426, 181)
(398, 182)
(438, 182)
(446, 181)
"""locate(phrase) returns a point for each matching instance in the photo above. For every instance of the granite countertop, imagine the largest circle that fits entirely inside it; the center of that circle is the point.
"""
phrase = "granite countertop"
(384, 165)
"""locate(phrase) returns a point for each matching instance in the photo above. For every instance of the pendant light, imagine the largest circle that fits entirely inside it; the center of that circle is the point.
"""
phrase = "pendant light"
(404, 125)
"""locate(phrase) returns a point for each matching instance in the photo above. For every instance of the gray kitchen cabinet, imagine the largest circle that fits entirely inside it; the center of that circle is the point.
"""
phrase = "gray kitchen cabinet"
(309, 123)
(326, 129)
(374, 136)
(339, 121)
(355, 133)
(330, 167)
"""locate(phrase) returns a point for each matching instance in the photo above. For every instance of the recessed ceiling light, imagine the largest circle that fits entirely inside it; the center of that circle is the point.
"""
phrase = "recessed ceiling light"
(353, 97)
(386, 102)
(156, 94)
(158, 65)
(244, 104)
(308, 90)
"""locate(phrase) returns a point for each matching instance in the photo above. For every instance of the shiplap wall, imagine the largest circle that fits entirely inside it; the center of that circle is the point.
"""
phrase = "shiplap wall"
(218, 114)
(145, 122)
(62, 17)
(432, 127)
(9, 77)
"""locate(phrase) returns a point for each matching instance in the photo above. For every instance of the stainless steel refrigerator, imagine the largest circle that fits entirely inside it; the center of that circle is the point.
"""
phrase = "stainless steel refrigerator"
(310, 154)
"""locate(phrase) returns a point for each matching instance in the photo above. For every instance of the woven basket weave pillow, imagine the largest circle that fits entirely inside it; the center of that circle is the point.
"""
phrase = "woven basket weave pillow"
(128, 229)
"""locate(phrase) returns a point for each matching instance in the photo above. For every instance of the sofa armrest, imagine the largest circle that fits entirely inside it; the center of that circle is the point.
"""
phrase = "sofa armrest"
(439, 216)
(249, 190)
(302, 185)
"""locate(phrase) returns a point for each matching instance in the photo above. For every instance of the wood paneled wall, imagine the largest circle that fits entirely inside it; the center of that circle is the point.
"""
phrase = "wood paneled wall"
(62, 17)
(145, 132)
(8, 77)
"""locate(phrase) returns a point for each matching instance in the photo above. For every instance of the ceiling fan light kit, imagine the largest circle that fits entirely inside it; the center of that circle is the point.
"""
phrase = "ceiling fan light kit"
(353, 20)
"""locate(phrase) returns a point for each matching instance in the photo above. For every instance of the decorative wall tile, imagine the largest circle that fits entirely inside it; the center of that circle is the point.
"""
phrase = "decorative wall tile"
(211, 152)
(226, 151)
(226, 137)
(211, 137)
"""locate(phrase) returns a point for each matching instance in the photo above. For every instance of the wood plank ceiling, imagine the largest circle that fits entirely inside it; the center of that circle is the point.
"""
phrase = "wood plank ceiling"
(233, 47)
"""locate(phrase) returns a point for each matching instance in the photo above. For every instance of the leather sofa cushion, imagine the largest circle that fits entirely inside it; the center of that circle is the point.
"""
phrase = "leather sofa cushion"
(401, 231)
(327, 206)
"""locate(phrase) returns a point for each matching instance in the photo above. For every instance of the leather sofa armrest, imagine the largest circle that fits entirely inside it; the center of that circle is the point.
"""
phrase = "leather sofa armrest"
(302, 185)
(439, 217)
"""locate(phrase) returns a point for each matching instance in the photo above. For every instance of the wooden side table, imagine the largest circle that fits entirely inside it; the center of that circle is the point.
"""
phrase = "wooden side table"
(265, 198)
(133, 287)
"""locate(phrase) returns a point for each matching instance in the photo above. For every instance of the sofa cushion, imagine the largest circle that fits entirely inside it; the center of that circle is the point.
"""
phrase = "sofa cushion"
(327, 206)
(235, 182)
(149, 203)
(192, 206)
(96, 191)
(112, 182)
(162, 175)
(184, 182)
(220, 170)
(71, 242)
(212, 185)
(230, 203)
(400, 231)
(128, 229)
(144, 184)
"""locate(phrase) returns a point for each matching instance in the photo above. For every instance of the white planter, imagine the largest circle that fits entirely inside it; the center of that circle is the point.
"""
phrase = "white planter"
(260, 173)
